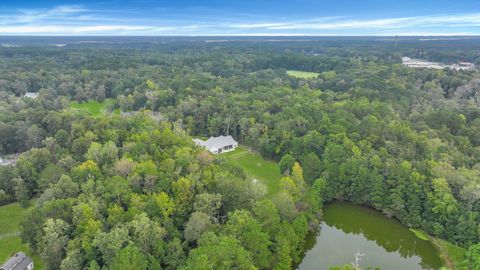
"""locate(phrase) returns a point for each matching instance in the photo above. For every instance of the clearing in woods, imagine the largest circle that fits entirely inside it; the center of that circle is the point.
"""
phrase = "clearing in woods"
(10, 243)
(93, 108)
(257, 167)
(302, 74)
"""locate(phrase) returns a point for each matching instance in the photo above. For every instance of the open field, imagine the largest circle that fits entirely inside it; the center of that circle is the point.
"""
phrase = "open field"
(10, 242)
(257, 167)
(93, 108)
(302, 74)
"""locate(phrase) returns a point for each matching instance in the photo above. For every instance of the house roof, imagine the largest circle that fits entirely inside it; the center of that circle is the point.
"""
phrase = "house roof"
(19, 261)
(31, 95)
(217, 142)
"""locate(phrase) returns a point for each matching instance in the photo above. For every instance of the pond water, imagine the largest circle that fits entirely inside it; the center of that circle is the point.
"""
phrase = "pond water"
(347, 229)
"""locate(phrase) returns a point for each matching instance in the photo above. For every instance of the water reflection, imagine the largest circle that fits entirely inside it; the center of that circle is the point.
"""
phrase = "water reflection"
(388, 244)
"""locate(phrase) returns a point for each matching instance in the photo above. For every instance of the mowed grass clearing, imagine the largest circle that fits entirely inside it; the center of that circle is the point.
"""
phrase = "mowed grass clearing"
(10, 243)
(256, 167)
(94, 108)
(302, 74)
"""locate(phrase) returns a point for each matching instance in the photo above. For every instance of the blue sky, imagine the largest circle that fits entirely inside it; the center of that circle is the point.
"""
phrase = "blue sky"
(241, 17)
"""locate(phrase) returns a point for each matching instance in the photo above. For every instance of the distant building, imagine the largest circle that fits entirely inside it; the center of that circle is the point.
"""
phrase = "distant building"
(417, 63)
(463, 66)
(19, 261)
(217, 145)
(31, 95)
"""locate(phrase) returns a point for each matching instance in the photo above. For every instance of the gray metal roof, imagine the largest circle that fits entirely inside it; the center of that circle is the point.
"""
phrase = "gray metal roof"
(217, 142)
(19, 261)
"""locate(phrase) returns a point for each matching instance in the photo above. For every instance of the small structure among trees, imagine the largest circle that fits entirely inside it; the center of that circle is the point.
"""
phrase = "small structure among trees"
(19, 261)
(9, 160)
(217, 145)
(31, 95)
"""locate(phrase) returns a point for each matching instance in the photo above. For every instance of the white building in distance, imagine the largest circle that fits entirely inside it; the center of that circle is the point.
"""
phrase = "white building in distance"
(217, 145)
(31, 95)
(417, 63)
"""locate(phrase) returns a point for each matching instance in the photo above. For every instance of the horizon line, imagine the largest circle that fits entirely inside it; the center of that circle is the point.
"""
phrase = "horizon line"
(257, 35)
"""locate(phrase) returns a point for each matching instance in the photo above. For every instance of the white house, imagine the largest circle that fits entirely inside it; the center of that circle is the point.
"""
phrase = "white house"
(218, 145)
(31, 95)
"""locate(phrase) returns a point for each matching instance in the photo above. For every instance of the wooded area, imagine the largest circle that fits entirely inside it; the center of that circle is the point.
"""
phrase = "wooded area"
(116, 188)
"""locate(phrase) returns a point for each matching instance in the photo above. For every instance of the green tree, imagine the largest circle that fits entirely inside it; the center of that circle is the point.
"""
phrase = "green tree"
(110, 243)
(21, 192)
(208, 203)
(286, 164)
(54, 243)
(472, 258)
(148, 235)
(242, 226)
(218, 253)
(174, 254)
(129, 258)
(197, 224)
(312, 168)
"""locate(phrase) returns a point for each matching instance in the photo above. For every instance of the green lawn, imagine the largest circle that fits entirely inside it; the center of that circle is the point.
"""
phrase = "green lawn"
(257, 167)
(93, 108)
(10, 242)
(302, 74)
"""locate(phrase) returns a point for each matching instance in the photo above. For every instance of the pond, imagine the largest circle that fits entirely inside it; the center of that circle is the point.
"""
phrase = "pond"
(348, 229)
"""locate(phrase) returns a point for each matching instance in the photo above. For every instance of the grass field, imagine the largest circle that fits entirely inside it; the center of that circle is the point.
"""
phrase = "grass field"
(257, 167)
(93, 108)
(302, 74)
(10, 242)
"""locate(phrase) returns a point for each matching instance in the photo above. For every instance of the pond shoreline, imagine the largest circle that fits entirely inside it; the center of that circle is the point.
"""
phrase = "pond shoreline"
(347, 229)
(449, 259)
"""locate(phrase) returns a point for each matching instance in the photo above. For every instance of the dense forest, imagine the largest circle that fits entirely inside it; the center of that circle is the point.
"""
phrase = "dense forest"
(131, 191)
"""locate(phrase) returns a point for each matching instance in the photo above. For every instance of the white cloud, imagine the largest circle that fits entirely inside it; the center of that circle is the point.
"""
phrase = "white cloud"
(58, 29)
(79, 20)
(103, 28)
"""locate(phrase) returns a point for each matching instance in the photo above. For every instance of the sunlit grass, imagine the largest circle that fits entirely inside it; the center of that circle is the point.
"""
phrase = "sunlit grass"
(256, 167)
(420, 234)
(10, 243)
(302, 74)
(93, 108)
